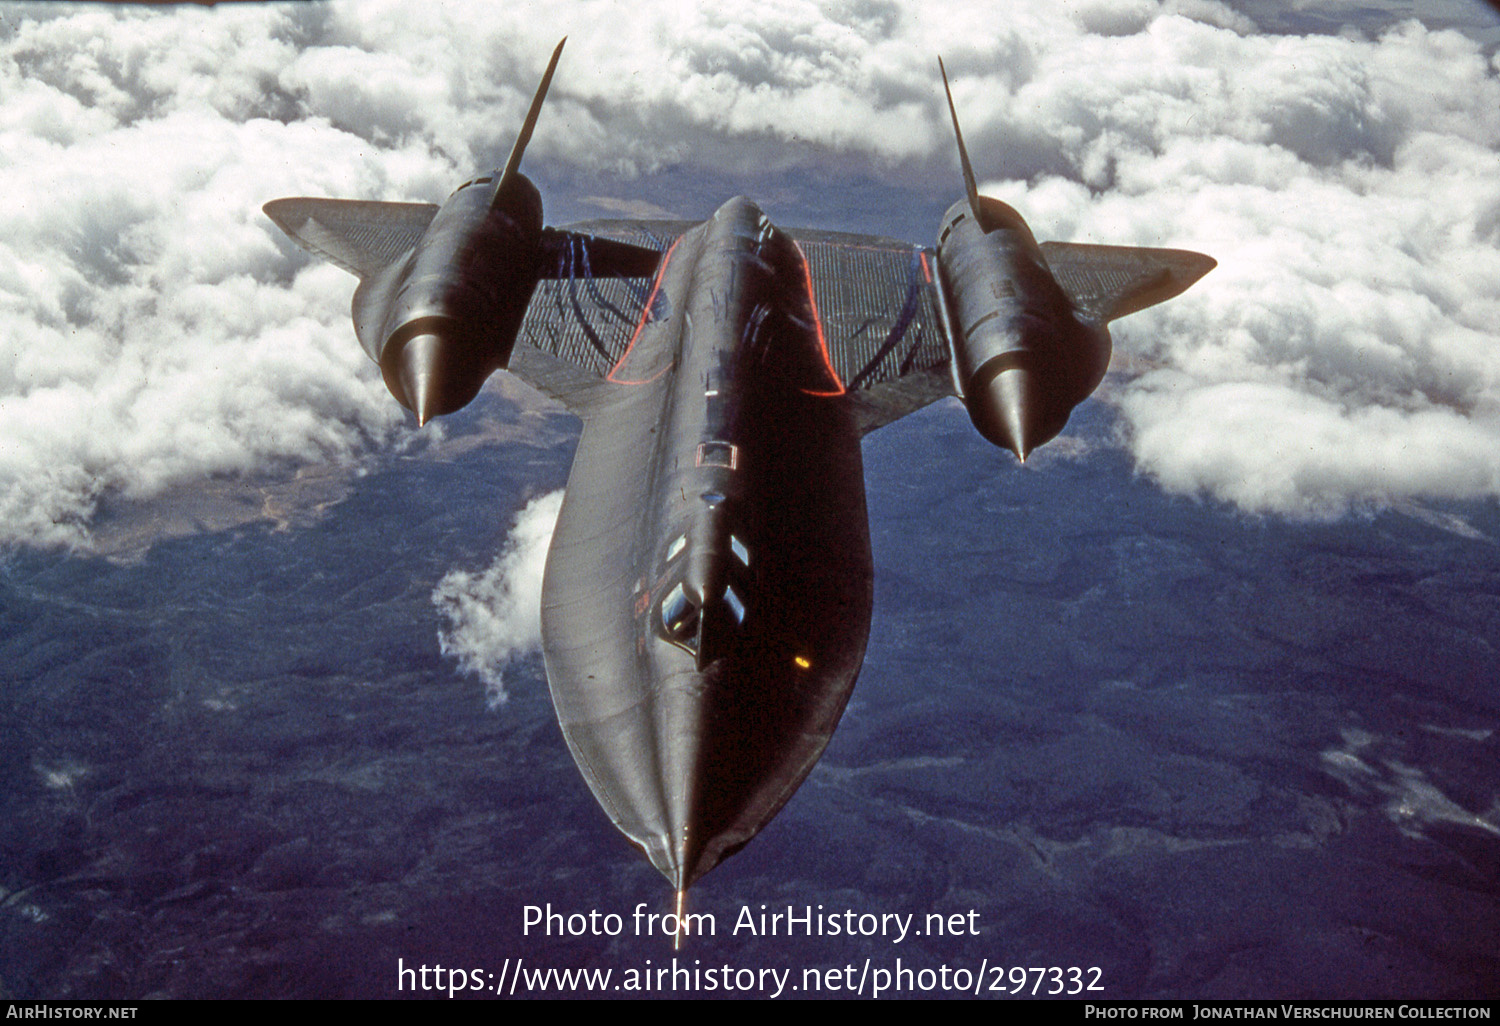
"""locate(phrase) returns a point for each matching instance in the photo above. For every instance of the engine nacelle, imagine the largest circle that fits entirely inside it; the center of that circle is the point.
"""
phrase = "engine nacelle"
(443, 318)
(1021, 358)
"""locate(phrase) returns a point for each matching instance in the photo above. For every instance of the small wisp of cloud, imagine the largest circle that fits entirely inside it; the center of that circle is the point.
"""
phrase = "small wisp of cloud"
(494, 615)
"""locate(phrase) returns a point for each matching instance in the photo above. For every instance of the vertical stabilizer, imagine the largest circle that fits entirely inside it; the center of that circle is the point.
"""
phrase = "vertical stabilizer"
(513, 164)
(970, 187)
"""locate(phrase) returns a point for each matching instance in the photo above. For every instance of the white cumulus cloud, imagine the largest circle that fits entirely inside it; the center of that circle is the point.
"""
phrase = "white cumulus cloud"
(156, 330)
(1345, 350)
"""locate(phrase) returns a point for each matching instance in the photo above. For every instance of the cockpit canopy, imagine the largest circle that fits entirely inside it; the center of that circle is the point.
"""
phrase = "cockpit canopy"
(679, 618)
(682, 616)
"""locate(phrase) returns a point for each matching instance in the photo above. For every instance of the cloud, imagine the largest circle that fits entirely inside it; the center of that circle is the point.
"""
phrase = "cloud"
(494, 617)
(1344, 352)
(156, 330)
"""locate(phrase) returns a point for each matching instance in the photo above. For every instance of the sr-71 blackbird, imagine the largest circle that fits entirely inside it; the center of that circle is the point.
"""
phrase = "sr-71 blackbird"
(707, 594)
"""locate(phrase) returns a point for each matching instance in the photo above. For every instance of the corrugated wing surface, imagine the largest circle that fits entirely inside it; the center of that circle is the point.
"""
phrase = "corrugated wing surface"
(586, 320)
(1105, 282)
(361, 236)
(877, 303)
(875, 298)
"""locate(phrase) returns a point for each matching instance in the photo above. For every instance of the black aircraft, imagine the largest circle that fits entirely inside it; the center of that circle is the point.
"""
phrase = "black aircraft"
(707, 595)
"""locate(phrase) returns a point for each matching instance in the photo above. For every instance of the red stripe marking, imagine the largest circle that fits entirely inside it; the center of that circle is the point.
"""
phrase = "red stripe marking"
(661, 273)
(812, 299)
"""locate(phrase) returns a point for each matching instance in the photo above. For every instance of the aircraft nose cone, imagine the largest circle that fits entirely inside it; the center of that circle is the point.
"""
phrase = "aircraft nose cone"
(682, 720)
(421, 376)
(685, 850)
(1009, 414)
